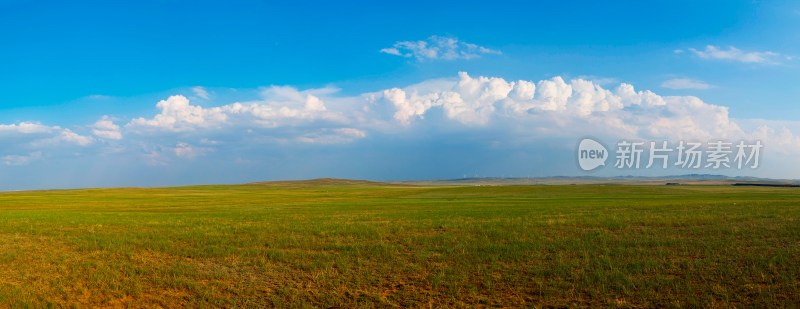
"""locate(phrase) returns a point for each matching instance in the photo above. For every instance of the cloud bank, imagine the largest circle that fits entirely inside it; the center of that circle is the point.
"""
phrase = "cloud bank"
(378, 132)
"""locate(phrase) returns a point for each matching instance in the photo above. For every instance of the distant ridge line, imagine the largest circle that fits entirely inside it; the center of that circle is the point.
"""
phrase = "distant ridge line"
(766, 185)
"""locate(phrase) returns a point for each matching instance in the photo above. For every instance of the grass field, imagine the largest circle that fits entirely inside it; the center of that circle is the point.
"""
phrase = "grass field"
(353, 244)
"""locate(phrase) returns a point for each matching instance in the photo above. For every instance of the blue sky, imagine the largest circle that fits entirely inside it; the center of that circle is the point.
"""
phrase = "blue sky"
(82, 82)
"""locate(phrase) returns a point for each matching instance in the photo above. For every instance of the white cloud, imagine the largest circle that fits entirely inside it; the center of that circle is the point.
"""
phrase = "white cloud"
(438, 48)
(599, 80)
(552, 95)
(40, 135)
(567, 109)
(75, 138)
(474, 101)
(631, 97)
(105, 128)
(279, 108)
(19, 160)
(200, 92)
(178, 115)
(470, 100)
(25, 128)
(512, 113)
(392, 51)
(285, 106)
(685, 83)
(712, 52)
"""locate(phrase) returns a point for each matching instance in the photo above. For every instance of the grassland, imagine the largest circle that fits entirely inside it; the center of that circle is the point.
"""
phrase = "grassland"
(354, 244)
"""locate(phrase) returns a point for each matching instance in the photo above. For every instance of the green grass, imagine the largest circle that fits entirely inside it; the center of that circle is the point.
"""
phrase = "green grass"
(327, 244)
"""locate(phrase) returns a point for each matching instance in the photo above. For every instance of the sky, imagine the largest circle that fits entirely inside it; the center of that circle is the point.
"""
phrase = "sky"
(169, 92)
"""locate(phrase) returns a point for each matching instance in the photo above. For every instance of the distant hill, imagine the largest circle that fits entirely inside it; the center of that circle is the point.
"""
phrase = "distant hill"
(321, 182)
(688, 179)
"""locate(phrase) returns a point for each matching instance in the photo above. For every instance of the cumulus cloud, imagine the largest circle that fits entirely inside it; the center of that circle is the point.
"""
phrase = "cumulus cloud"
(282, 113)
(178, 115)
(105, 128)
(712, 52)
(521, 111)
(474, 101)
(631, 97)
(438, 48)
(685, 83)
(574, 108)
